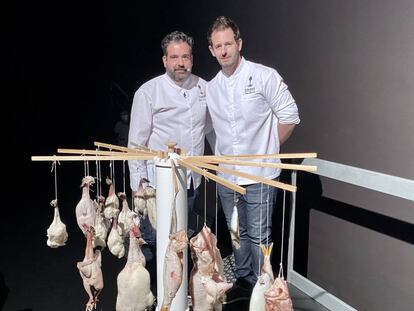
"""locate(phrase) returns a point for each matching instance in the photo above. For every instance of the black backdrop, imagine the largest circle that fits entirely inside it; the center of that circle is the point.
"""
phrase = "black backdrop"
(61, 75)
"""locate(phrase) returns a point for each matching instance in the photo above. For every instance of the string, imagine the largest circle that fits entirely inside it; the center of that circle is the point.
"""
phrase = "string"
(267, 218)
(100, 177)
(205, 201)
(123, 171)
(283, 233)
(216, 208)
(87, 168)
(97, 180)
(111, 172)
(260, 224)
(54, 167)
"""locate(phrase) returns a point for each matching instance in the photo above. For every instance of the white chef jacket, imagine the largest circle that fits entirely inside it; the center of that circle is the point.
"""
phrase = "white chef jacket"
(245, 109)
(162, 111)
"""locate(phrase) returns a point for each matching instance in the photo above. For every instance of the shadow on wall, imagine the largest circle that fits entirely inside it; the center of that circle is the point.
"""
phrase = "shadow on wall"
(310, 196)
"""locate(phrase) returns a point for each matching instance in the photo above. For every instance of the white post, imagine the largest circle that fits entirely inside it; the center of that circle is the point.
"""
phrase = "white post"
(164, 200)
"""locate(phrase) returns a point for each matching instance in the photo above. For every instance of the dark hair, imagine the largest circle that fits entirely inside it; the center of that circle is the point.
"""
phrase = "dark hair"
(221, 23)
(176, 36)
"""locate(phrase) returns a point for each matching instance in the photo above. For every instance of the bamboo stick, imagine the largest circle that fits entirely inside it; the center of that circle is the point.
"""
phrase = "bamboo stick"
(121, 148)
(297, 167)
(92, 158)
(98, 152)
(216, 178)
(260, 179)
(261, 156)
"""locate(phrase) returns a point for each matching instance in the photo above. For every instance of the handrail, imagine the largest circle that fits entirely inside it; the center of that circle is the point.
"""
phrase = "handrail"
(388, 184)
(392, 185)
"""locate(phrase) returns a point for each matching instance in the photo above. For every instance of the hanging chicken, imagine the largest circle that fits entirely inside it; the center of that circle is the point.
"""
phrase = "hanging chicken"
(140, 204)
(85, 209)
(112, 202)
(90, 270)
(133, 281)
(126, 216)
(115, 241)
(56, 233)
(102, 224)
(151, 206)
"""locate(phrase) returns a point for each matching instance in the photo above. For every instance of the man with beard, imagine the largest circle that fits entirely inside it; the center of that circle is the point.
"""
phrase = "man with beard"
(170, 107)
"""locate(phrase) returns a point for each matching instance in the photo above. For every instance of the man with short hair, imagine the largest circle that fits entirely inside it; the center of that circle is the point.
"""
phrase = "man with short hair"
(252, 112)
(170, 107)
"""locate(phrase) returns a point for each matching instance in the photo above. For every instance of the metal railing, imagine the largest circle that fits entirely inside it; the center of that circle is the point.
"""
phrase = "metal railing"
(391, 185)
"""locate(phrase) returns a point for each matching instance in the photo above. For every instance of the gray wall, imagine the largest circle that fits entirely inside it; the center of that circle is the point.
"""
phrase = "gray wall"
(350, 66)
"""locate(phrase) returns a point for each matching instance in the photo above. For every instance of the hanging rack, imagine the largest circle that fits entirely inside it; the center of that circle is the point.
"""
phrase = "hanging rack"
(198, 164)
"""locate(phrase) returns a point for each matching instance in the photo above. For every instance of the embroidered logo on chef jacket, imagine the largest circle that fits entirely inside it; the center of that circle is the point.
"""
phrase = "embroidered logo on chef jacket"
(249, 89)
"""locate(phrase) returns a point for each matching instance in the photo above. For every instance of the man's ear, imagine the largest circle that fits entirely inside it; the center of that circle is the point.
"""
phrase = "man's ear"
(240, 44)
(211, 50)
(164, 60)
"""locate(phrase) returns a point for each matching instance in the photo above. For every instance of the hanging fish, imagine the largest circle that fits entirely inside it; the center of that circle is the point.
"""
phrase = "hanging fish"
(173, 267)
(277, 297)
(234, 227)
(264, 281)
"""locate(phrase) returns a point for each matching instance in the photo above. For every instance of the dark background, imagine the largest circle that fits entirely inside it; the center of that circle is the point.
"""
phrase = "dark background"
(69, 69)
(348, 64)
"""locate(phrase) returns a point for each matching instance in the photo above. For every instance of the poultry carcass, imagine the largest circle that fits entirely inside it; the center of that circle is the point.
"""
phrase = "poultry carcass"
(126, 216)
(111, 202)
(151, 205)
(102, 224)
(140, 204)
(90, 270)
(264, 281)
(173, 267)
(115, 241)
(133, 281)
(85, 209)
(56, 233)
